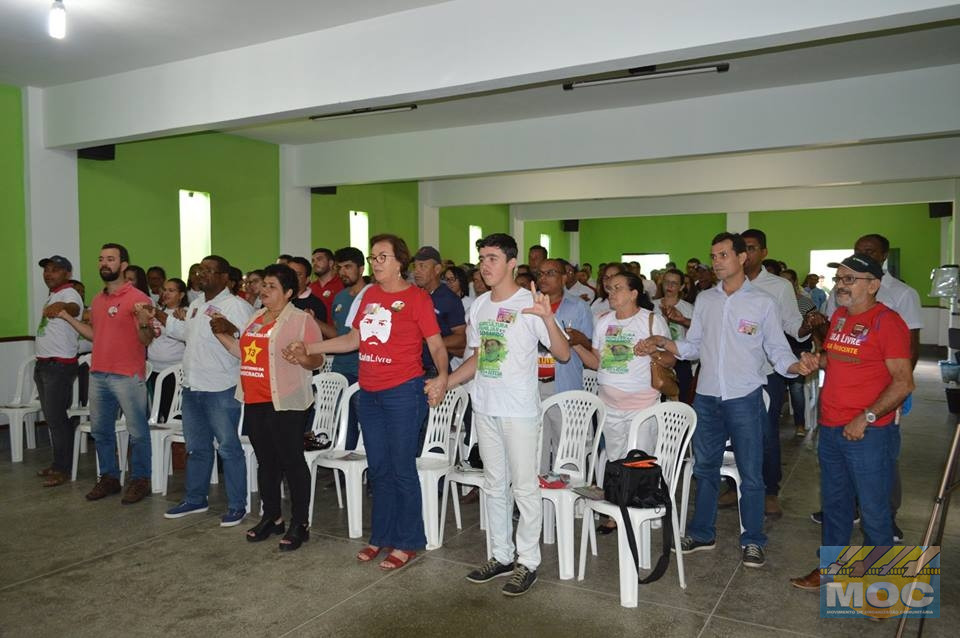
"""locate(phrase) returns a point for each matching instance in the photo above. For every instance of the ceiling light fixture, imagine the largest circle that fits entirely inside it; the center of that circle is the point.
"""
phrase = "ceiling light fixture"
(649, 73)
(57, 20)
(365, 111)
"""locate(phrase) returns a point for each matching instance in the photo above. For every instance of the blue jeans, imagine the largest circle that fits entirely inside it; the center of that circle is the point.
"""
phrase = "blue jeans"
(353, 427)
(861, 471)
(772, 470)
(209, 415)
(111, 394)
(741, 420)
(391, 426)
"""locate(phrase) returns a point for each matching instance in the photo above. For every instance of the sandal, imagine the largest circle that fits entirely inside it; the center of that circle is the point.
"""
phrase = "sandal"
(54, 479)
(264, 529)
(392, 561)
(295, 537)
(370, 552)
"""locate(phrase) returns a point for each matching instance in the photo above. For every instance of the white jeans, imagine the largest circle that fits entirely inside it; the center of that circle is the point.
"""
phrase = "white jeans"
(508, 446)
(616, 427)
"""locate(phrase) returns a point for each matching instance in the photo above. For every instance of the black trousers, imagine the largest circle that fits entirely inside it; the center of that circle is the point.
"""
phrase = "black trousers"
(277, 438)
(54, 382)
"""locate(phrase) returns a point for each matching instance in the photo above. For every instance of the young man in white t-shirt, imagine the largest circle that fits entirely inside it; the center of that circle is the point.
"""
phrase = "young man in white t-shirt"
(504, 327)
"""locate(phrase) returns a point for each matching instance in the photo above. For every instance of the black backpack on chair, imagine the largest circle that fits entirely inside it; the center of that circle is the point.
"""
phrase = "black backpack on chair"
(637, 481)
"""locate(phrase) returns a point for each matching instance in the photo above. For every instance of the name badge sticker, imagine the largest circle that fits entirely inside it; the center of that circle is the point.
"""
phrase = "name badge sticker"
(747, 327)
(505, 315)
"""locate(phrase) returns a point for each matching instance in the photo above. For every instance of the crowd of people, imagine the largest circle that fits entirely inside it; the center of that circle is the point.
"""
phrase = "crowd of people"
(740, 332)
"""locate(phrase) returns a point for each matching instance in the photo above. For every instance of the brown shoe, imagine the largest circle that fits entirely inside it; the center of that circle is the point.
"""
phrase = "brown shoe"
(728, 498)
(810, 582)
(54, 479)
(47, 471)
(106, 485)
(801, 432)
(772, 507)
(136, 490)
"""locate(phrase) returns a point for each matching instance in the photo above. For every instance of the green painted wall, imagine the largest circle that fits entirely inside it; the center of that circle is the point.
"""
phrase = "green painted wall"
(391, 208)
(559, 239)
(456, 220)
(13, 238)
(134, 199)
(791, 235)
(683, 236)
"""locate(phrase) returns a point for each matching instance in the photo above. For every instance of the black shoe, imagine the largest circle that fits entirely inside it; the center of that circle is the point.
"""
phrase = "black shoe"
(521, 581)
(264, 529)
(488, 571)
(753, 556)
(295, 537)
(605, 529)
(688, 545)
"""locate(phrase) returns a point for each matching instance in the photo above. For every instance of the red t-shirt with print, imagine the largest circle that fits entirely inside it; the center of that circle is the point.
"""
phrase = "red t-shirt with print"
(326, 293)
(117, 348)
(392, 328)
(857, 347)
(255, 363)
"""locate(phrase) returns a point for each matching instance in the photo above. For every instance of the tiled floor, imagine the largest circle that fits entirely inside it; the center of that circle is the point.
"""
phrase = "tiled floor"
(73, 568)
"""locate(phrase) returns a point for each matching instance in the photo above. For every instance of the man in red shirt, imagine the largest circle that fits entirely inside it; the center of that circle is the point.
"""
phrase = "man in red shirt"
(869, 374)
(326, 286)
(117, 376)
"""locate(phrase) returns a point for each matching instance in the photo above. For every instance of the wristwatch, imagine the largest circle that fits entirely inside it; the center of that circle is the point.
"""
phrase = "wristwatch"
(870, 416)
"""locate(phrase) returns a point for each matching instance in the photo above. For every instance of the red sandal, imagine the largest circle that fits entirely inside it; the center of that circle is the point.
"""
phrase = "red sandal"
(392, 561)
(370, 552)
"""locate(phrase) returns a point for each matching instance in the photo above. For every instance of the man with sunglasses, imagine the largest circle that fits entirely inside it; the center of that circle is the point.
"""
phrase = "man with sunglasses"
(869, 374)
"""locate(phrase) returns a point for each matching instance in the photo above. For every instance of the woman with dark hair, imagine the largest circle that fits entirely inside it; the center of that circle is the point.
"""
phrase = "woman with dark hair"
(600, 305)
(138, 277)
(622, 374)
(678, 312)
(394, 320)
(456, 280)
(165, 351)
(276, 395)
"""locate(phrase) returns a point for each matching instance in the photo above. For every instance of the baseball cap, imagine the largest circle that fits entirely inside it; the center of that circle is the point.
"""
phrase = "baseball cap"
(58, 261)
(860, 262)
(428, 252)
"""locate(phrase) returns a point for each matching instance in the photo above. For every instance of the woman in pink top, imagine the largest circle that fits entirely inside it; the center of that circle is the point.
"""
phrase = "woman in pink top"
(276, 396)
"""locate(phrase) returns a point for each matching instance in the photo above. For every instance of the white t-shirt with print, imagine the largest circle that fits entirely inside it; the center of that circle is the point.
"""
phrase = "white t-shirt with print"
(676, 330)
(614, 339)
(56, 337)
(505, 339)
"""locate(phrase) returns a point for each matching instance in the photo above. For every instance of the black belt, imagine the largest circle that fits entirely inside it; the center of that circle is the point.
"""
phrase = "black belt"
(545, 379)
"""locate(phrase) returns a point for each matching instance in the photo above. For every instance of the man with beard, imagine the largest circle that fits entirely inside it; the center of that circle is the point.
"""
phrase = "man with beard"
(210, 409)
(350, 264)
(117, 376)
(326, 286)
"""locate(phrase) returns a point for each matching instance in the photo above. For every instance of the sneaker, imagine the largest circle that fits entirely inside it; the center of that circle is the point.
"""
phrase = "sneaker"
(232, 517)
(753, 556)
(136, 490)
(897, 533)
(106, 485)
(488, 571)
(185, 509)
(688, 545)
(521, 581)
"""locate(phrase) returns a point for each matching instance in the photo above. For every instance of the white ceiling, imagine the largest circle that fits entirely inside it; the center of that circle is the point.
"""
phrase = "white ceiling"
(105, 37)
(882, 53)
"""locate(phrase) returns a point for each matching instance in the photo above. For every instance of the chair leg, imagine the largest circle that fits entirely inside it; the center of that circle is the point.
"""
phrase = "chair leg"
(676, 543)
(156, 460)
(354, 501)
(167, 463)
(123, 444)
(564, 521)
(447, 488)
(549, 518)
(685, 492)
(457, 516)
(78, 436)
(483, 510)
(430, 506)
(30, 423)
(628, 572)
(483, 507)
(16, 436)
(83, 442)
(313, 491)
(336, 485)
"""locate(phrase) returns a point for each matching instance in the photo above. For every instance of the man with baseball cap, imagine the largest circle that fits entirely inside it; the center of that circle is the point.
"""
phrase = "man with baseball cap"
(427, 266)
(867, 358)
(56, 368)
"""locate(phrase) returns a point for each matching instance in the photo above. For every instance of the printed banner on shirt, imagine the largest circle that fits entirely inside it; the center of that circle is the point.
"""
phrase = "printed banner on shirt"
(880, 582)
(493, 345)
(617, 349)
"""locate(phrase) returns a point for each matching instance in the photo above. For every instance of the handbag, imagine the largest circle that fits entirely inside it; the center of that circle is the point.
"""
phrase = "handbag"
(637, 481)
(662, 378)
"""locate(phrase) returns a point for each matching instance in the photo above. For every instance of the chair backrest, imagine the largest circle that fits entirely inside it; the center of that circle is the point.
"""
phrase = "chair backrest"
(577, 409)
(328, 387)
(82, 361)
(327, 363)
(590, 383)
(442, 422)
(676, 423)
(176, 372)
(343, 419)
(26, 390)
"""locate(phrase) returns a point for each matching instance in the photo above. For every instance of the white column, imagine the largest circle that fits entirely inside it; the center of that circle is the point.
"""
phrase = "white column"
(52, 205)
(516, 231)
(428, 218)
(738, 222)
(575, 247)
(295, 217)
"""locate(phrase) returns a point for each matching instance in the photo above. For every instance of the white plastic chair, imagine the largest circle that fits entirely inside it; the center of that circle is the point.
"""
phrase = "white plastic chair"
(328, 389)
(22, 411)
(80, 409)
(353, 463)
(676, 423)
(435, 460)
(590, 383)
(163, 426)
(327, 364)
(123, 439)
(457, 477)
(577, 409)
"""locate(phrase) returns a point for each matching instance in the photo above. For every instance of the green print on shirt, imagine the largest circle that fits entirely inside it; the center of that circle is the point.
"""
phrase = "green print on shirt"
(42, 328)
(493, 348)
(617, 350)
(674, 331)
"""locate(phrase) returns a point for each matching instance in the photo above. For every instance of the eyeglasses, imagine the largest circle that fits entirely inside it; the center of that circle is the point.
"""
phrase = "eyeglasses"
(380, 259)
(549, 273)
(450, 280)
(847, 280)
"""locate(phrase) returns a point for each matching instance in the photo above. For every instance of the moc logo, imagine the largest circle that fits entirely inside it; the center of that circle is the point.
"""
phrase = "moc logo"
(880, 582)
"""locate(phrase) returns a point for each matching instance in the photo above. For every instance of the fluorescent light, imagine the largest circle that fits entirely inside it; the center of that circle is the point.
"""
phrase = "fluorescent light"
(359, 112)
(649, 73)
(57, 21)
